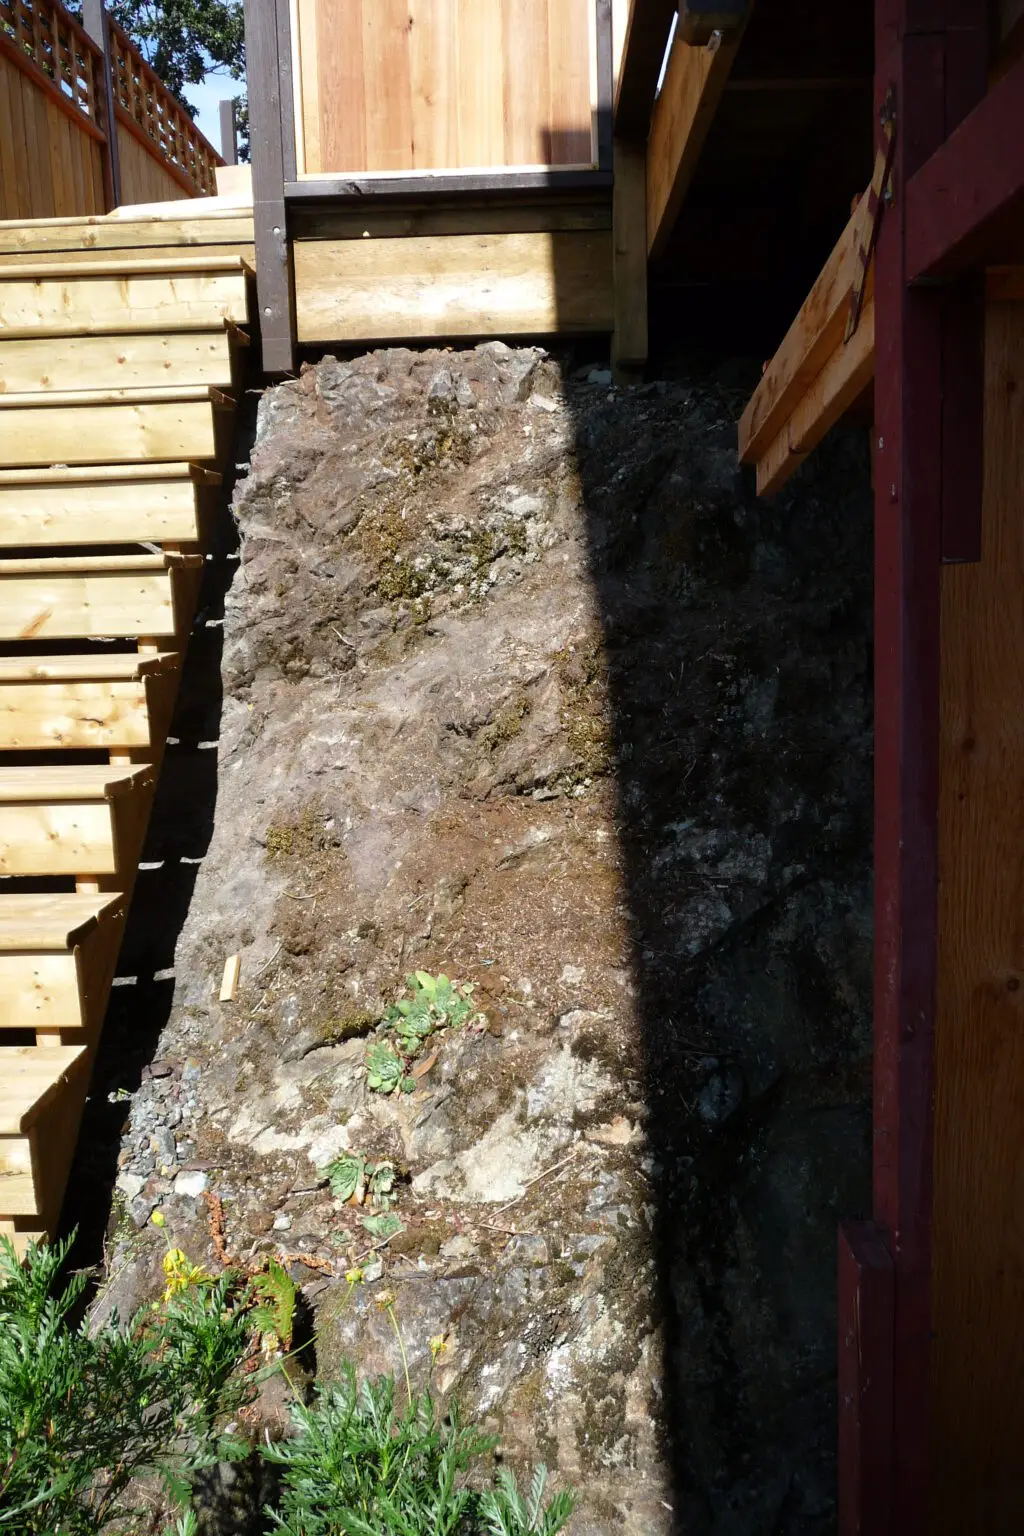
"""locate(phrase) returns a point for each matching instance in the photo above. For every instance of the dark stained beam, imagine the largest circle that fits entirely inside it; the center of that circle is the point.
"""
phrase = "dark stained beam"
(970, 193)
(275, 287)
(643, 50)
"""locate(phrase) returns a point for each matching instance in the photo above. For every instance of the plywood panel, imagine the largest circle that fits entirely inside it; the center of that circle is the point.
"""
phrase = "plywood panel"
(403, 85)
(978, 1238)
(456, 285)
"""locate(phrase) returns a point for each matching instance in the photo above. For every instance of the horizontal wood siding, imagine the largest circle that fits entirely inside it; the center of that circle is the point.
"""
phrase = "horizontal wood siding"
(408, 85)
(50, 165)
(453, 285)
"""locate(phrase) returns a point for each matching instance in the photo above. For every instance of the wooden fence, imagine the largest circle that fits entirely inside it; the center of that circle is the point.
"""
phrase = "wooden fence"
(55, 121)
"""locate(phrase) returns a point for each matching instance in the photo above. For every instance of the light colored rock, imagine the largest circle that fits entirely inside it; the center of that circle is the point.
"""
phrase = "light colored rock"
(190, 1183)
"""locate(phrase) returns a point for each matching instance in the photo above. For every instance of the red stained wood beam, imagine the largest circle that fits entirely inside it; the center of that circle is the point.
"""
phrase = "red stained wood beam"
(865, 1380)
(970, 193)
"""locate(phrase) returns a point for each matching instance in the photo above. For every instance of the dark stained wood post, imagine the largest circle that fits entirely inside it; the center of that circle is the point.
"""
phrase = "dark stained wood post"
(94, 20)
(228, 133)
(932, 55)
(275, 286)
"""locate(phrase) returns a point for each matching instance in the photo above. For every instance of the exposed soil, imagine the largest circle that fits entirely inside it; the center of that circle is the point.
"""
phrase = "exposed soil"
(521, 684)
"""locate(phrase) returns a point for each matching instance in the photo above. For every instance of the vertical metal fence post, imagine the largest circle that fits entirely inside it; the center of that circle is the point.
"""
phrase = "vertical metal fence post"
(94, 20)
(228, 133)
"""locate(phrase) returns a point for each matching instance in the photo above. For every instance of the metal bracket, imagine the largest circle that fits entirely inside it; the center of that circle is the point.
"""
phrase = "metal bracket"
(879, 196)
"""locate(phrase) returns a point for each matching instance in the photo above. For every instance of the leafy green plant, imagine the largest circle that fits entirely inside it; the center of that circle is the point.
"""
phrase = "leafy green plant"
(84, 1412)
(384, 1069)
(352, 1177)
(436, 1003)
(273, 1314)
(357, 1465)
(506, 1512)
(387, 1224)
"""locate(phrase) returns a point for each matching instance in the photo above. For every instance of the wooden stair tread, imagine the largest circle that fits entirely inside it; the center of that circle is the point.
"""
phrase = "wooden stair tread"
(121, 266)
(51, 921)
(85, 474)
(31, 1078)
(123, 667)
(154, 394)
(94, 565)
(51, 783)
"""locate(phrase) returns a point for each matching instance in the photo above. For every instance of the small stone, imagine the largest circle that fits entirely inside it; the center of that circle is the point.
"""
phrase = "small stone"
(601, 376)
(190, 1184)
(282, 1223)
(373, 1271)
(721, 1096)
(458, 1248)
(617, 1133)
(162, 1145)
(141, 1209)
(130, 1184)
(572, 975)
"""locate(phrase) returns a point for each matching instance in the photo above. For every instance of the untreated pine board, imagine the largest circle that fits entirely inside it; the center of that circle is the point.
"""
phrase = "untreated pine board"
(976, 1410)
(91, 599)
(92, 511)
(116, 362)
(81, 239)
(462, 285)
(39, 992)
(107, 434)
(812, 338)
(60, 303)
(841, 382)
(694, 81)
(52, 508)
(76, 820)
(33, 1077)
(78, 715)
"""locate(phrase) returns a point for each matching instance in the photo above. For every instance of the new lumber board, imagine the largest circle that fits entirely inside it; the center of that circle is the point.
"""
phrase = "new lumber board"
(56, 364)
(124, 666)
(87, 604)
(32, 1077)
(59, 782)
(78, 239)
(59, 430)
(458, 285)
(840, 383)
(88, 303)
(683, 113)
(52, 920)
(50, 716)
(95, 511)
(39, 991)
(123, 268)
(812, 338)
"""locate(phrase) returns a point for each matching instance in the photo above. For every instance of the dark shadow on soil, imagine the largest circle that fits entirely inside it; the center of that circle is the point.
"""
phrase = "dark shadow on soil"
(180, 828)
(736, 640)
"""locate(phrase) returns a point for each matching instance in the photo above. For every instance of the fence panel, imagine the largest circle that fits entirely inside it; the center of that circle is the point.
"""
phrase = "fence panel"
(184, 163)
(51, 142)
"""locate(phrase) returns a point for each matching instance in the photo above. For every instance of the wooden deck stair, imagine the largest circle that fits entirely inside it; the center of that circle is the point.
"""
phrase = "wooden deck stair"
(119, 376)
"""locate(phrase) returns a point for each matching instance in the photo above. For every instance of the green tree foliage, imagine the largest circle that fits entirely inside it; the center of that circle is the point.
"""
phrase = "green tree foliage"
(186, 41)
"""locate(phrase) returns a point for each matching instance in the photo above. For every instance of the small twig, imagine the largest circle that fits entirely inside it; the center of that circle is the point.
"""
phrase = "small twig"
(270, 962)
(293, 896)
(529, 1185)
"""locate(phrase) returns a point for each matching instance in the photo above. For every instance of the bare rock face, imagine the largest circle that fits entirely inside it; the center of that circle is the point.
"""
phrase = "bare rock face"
(522, 685)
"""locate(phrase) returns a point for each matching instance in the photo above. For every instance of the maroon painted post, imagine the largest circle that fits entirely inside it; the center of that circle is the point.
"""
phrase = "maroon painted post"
(933, 53)
(865, 1379)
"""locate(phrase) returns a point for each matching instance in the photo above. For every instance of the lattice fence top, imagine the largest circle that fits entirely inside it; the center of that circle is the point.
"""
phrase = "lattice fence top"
(149, 104)
(54, 42)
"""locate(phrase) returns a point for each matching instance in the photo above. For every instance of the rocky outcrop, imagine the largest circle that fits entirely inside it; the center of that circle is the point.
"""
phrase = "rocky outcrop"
(521, 684)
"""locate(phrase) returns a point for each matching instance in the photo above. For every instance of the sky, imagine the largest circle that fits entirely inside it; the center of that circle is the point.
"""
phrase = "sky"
(207, 98)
